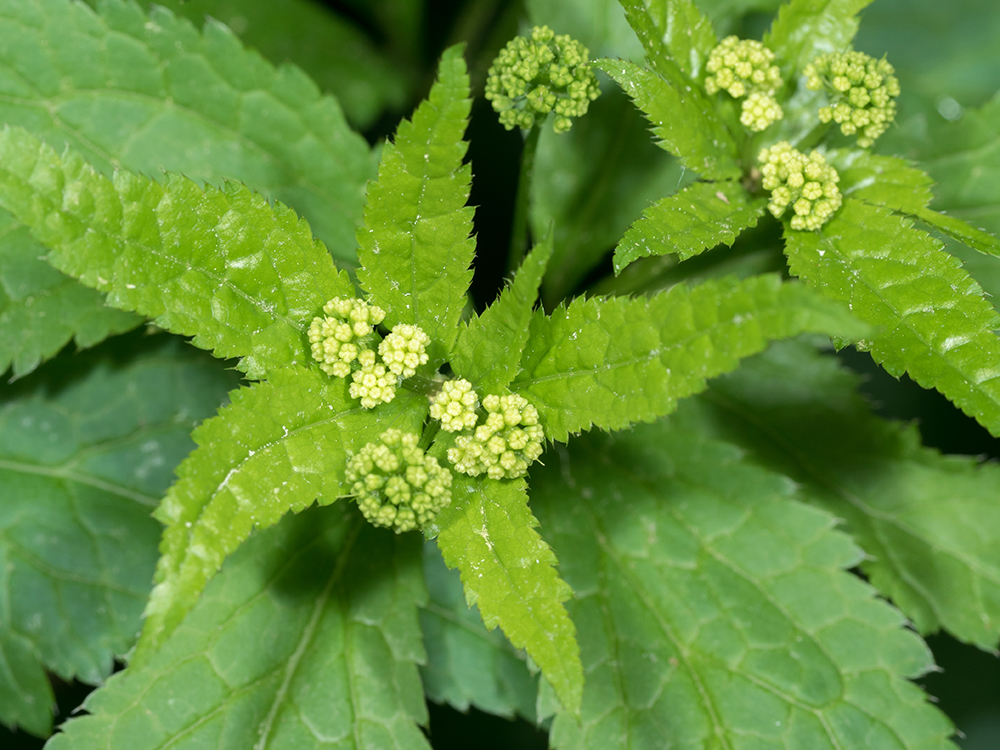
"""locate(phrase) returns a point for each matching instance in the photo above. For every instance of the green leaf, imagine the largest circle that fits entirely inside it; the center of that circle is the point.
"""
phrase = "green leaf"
(599, 25)
(672, 29)
(415, 246)
(925, 521)
(488, 350)
(488, 533)
(610, 362)
(149, 93)
(83, 458)
(959, 230)
(336, 53)
(683, 119)
(687, 223)
(41, 309)
(307, 639)
(805, 29)
(882, 180)
(243, 277)
(468, 665)
(714, 609)
(593, 182)
(278, 447)
(935, 323)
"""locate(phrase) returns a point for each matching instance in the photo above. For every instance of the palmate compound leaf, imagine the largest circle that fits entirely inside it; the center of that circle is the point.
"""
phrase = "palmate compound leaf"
(415, 249)
(83, 459)
(307, 639)
(714, 608)
(926, 522)
(508, 571)
(674, 31)
(278, 447)
(608, 363)
(243, 277)
(934, 322)
(684, 121)
(468, 665)
(805, 29)
(697, 218)
(488, 349)
(147, 94)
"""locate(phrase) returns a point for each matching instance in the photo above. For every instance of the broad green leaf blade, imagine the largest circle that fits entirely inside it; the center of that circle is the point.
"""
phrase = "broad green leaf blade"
(959, 230)
(278, 447)
(468, 665)
(610, 362)
(508, 571)
(307, 639)
(83, 459)
(683, 119)
(882, 180)
(806, 29)
(687, 223)
(672, 30)
(243, 277)
(148, 93)
(593, 182)
(935, 323)
(488, 350)
(415, 246)
(715, 610)
(336, 53)
(927, 522)
(41, 310)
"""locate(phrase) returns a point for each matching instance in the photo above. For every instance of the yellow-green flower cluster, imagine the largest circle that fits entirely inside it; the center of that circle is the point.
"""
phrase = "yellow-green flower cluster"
(455, 406)
(532, 77)
(343, 344)
(806, 183)
(396, 484)
(339, 338)
(745, 68)
(862, 93)
(505, 445)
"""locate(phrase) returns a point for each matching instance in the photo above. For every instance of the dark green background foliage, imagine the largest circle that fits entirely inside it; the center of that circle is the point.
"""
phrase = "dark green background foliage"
(797, 470)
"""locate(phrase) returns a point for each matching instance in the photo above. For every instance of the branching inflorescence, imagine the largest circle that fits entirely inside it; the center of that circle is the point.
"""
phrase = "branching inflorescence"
(862, 93)
(806, 183)
(745, 69)
(505, 444)
(547, 73)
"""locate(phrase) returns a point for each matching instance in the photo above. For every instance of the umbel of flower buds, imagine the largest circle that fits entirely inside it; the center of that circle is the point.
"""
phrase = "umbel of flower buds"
(745, 68)
(532, 77)
(455, 406)
(862, 93)
(505, 445)
(396, 484)
(805, 183)
(339, 338)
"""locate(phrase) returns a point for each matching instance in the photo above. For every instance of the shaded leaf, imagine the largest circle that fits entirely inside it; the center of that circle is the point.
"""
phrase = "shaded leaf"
(83, 459)
(806, 29)
(683, 119)
(415, 246)
(599, 25)
(508, 571)
(488, 350)
(468, 665)
(882, 180)
(609, 363)
(673, 29)
(961, 231)
(307, 639)
(243, 277)
(278, 447)
(687, 223)
(935, 323)
(925, 521)
(714, 609)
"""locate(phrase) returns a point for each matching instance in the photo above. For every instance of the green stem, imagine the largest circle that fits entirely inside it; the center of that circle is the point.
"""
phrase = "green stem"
(519, 233)
(813, 137)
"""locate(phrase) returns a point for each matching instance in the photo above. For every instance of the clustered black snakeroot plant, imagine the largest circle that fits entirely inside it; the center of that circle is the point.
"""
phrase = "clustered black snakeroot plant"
(706, 534)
